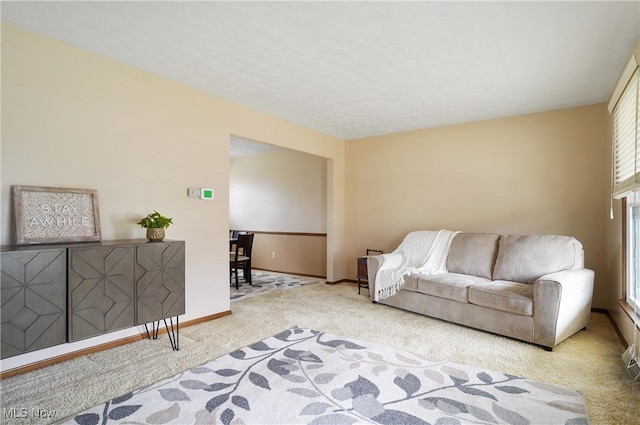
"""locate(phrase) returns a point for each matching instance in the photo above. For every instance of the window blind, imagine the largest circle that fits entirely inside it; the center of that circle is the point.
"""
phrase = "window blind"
(626, 146)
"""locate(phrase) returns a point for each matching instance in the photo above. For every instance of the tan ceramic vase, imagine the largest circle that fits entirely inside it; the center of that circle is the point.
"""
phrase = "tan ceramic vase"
(155, 234)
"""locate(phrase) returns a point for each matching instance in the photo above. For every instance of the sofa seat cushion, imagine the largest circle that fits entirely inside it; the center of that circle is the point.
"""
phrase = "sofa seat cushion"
(452, 286)
(512, 297)
(410, 283)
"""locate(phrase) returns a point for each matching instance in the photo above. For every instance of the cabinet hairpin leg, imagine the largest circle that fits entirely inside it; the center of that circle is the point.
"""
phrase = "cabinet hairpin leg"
(174, 334)
(154, 330)
(173, 331)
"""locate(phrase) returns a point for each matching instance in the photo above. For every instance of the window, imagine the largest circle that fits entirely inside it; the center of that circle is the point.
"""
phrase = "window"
(625, 174)
(633, 251)
(625, 183)
(631, 356)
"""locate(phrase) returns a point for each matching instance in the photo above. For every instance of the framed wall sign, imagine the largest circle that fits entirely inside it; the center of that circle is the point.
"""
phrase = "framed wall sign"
(55, 215)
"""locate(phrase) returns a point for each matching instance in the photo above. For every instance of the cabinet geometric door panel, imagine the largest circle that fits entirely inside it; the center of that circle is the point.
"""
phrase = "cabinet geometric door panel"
(159, 280)
(101, 290)
(34, 293)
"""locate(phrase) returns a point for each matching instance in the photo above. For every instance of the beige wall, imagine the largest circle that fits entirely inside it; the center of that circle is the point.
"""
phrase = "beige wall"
(74, 119)
(303, 254)
(280, 191)
(539, 173)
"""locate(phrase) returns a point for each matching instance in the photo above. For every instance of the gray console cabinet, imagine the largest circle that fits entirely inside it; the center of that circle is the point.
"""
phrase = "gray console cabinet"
(33, 297)
(61, 293)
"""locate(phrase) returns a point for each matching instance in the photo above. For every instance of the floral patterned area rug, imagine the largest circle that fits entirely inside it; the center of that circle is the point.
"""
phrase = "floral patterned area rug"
(263, 282)
(303, 376)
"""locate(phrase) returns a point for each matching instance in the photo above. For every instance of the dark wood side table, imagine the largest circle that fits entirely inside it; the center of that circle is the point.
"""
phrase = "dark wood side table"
(363, 272)
(363, 276)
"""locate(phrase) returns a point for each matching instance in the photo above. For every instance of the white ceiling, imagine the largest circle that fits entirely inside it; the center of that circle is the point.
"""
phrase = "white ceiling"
(355, 69)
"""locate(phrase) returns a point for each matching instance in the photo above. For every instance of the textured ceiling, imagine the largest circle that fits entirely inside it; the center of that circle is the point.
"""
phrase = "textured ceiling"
(355, 69)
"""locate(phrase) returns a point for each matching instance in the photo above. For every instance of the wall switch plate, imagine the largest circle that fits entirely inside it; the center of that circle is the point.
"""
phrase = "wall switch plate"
(193, 192)
(206, 193)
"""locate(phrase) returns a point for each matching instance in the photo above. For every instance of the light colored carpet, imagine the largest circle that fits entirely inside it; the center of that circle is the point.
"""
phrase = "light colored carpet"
(588, 362)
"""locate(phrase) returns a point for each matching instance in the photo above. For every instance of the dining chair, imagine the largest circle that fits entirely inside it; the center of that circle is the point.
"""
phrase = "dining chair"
(233, 238)
(240, 257)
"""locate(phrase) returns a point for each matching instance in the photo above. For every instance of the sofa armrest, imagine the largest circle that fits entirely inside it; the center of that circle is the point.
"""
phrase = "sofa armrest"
(374, 262)
(561, 305)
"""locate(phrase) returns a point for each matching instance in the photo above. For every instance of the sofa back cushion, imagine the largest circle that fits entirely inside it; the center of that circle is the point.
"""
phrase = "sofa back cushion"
(473, 254)
(526, 258)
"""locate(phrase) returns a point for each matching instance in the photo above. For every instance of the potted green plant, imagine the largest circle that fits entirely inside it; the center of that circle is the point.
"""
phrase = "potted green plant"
(155, 223)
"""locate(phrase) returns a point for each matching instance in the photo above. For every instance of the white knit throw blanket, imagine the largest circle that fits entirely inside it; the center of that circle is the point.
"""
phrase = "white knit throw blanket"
(422, 252)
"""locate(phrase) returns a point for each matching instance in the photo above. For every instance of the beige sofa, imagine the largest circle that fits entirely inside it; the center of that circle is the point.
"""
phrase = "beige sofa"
(533, 288)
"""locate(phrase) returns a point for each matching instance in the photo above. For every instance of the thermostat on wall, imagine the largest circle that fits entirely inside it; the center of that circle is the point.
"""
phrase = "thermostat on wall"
(206, 193)
(201, 192)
